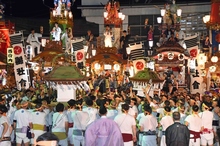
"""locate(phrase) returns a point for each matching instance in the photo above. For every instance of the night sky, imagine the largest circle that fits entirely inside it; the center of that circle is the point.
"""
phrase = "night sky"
(33, 8)
(41, 8)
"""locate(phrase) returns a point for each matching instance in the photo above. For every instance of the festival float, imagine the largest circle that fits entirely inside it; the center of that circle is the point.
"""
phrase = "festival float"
(144, 77)
(66, 79)
(105, 58)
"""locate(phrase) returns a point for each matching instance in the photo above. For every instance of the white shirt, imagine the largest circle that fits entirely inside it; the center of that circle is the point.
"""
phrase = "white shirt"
(139, 116)
(92, 113)
(80, 119)
(33, 38)
(148, 122)
(111, 113)
(166, 121)
(125, 123)
(56, 33)
(39, 118)
(194, 122)
(23, 118)
(59, 120)
(207, 117)
(3, 120)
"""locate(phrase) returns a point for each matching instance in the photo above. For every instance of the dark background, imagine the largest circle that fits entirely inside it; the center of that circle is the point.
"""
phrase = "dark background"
(28, 14)
(41, 8)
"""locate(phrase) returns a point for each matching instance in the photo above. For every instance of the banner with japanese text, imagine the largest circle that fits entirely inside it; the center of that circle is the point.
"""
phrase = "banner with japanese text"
(10, 55)
(21, 72)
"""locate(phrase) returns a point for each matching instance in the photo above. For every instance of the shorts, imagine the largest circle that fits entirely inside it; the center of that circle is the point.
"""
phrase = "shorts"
(21, 137)
(207, 139)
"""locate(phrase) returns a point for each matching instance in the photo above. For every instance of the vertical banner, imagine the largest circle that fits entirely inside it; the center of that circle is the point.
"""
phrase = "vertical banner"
(28, 52)
(214, 42)
(5, 40)
(10, 55)
(21, 72)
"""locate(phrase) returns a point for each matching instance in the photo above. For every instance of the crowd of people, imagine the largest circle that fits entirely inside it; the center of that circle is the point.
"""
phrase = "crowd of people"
(112, 118)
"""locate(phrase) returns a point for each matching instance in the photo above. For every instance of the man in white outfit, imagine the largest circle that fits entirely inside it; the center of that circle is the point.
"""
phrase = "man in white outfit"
(108, 36)
(165, 122)
(5, 127)
(93, 112)
(194, 123)
(56, 31)
(60, 125)
(34, 42)
(127, 125)
(80, 120)
(148, 125)
(207, 132)
(39, 120)
(23, 120)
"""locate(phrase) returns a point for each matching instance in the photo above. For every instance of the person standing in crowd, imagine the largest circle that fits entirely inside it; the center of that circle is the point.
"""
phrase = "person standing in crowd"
(90, 42)
(72, 104)
(216, 118)
(93, 112)
(33, 40)
(127, 125)
(165, 122)
(5, 128)
(148, 125)
(56, 31)
(206, 44)
(67, 36)
(194, 123)
(179, 34)
(124, 44)
(207, 117)
(80, 122)
(177, 134)
(39, 120)
(23, 122)
(108, 36)
(60, 125)
(108, 135)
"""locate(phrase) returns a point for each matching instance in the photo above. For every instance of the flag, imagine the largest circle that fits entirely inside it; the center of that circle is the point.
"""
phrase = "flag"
(192, 45)
(77, 45)
(137, 51)
(138, 65)
(79, 55)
